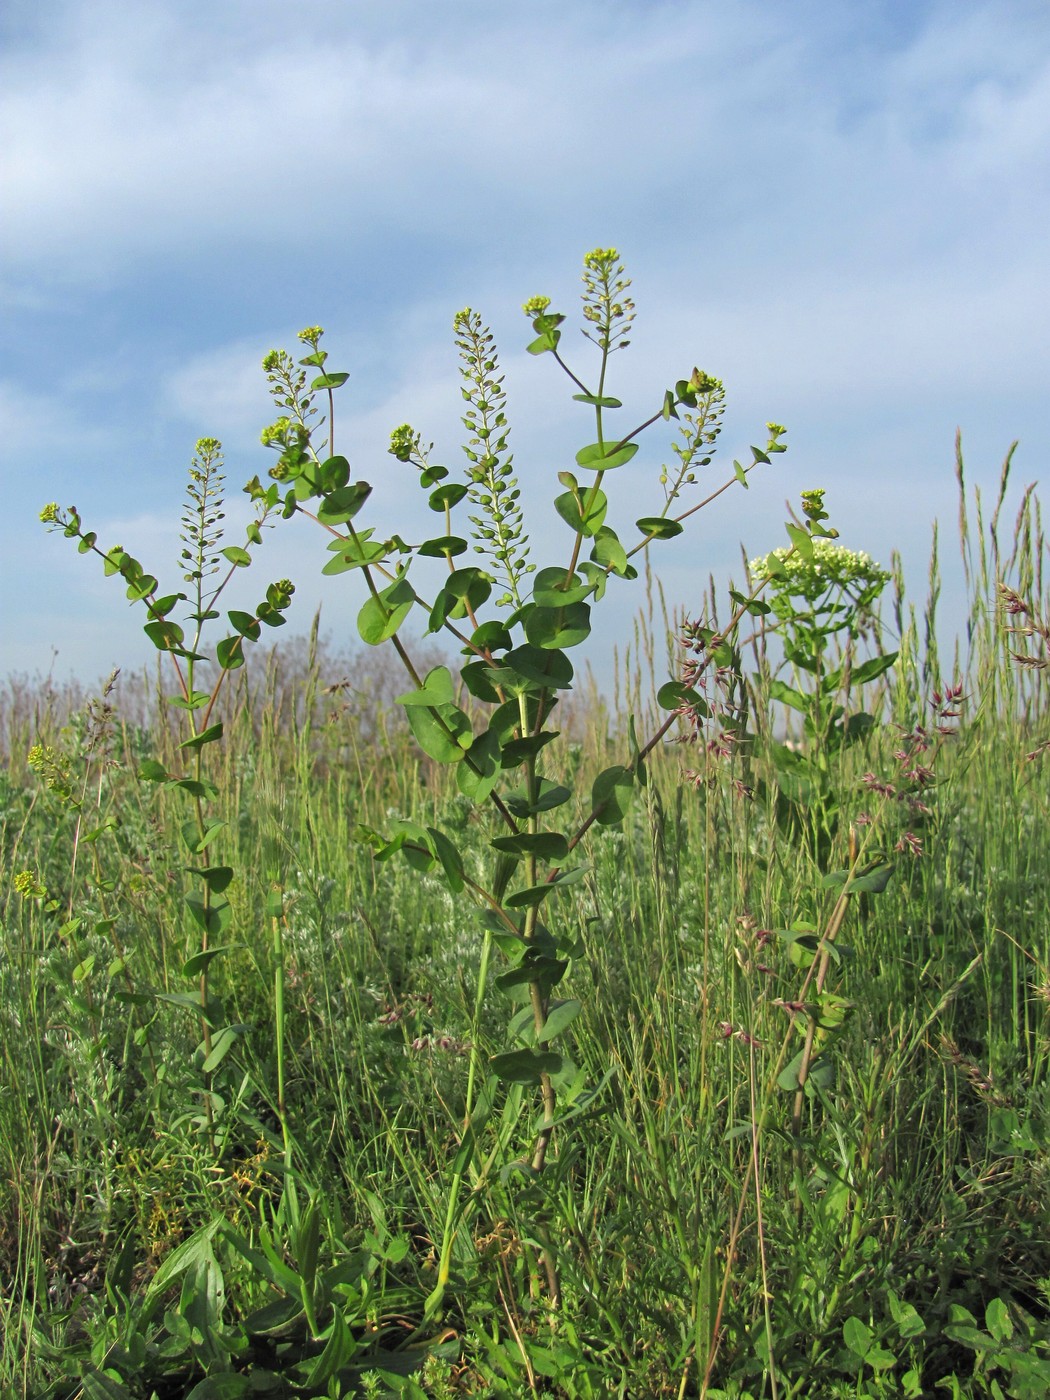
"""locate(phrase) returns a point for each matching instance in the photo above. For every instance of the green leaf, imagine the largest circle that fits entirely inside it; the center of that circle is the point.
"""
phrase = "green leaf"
(83, 970)
(560, 1015)
(879, 1359)
(354, 553)
(516, 751)
(821, 1073)
(579, 511)
(187, 1255)
(596, 577)
(198, 699)
(548, 796)
(907, 1321)
(160, 607)
(547, 341)
(164, 635)
(140, 585)
(96, 1385)
(308, 481)
(610, 553)
(343, 504)
(873, 880)
(657, 527)
(869, 670)
(801, 539)
(491, 636)
(443, 732)
(196, 787)
(213, 917)
(525, 1066)
(384, 613)
(194, 966)
(998, 1320)
(475, 676)
(197, 840)
(857, 1336)
(443, 547)
(151, 771)
(223, 1385)
(245, 624)
(449, 858)
(602, 457)
(541, 668)
(466, 590)
(206, 736)
(755, 606)
(436, 689)
(787, 695)
(238, 556)
(230, 653)
(546, 845)
(535, 967)
(741, 475)
(611, 795)
(479, 773)
(211, 1012)
(447, 496)
(216, 877)
(536, 894)
(329, 381)
(335, 473)
(833, 1011)
(674, 695)
(597, 401)
(553, 588)
(552, 629)
(275, 1316)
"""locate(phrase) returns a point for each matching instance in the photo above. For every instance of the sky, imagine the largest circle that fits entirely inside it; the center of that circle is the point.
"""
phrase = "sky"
(841, 210)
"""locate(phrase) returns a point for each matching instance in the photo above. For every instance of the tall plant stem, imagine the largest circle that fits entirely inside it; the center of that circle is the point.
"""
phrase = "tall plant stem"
(279, 1018)
(464, 1157)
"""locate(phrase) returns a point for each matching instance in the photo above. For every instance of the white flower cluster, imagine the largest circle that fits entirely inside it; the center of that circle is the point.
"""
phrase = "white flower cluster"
(832, 565)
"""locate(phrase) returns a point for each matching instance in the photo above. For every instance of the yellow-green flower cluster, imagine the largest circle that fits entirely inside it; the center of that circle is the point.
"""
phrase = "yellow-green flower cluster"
(50, 513)
(536, 306)
(52, 768)
(832, 566)
(403, 442)
(28, 886)
(276, 432)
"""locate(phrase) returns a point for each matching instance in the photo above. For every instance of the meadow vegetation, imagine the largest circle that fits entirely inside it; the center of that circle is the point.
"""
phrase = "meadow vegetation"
(428, 1021)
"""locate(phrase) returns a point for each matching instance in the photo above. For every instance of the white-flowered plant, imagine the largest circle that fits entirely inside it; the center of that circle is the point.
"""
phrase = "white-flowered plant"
(823, 597)
(833, 566)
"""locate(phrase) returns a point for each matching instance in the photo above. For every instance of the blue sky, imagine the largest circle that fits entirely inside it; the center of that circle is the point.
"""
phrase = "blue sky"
(839, 209)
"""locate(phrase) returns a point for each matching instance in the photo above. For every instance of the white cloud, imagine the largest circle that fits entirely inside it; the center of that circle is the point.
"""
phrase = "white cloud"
(170, 136)
(222, 392)
(840, 211)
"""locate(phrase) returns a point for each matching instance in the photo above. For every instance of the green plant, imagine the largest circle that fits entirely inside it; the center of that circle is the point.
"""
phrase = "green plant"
(1011, 1345)
(788, 1161)
(209, 568)
(819, 598)
(494, 723)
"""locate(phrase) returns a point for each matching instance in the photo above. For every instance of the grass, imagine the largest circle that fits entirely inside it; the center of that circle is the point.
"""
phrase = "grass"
(881, 1233)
